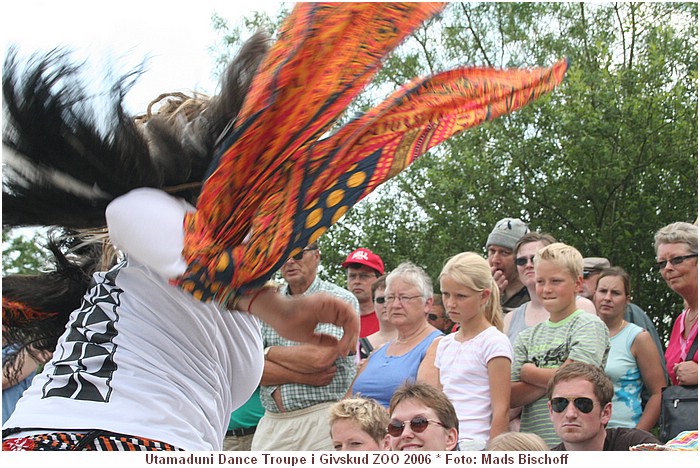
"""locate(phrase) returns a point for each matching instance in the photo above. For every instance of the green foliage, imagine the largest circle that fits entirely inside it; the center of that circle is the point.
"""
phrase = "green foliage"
(22, 253)
(602, 163)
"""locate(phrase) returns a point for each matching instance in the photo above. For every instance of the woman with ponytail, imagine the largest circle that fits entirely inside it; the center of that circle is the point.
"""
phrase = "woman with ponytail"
(472, 365)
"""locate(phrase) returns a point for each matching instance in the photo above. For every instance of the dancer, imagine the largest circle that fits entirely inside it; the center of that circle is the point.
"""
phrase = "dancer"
(198, 252)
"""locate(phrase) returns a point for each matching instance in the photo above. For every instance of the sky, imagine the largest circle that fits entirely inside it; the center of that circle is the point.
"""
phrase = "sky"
(174, 36)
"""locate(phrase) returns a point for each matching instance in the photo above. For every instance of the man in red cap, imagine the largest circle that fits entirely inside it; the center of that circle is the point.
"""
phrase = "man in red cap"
(363, 267)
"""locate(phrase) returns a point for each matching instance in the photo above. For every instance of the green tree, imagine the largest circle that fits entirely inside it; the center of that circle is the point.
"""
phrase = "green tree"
(602, 163)
(23, 253)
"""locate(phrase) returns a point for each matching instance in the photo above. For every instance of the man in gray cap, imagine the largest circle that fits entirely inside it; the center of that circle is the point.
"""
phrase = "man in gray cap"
(592, 266)
(501, 257)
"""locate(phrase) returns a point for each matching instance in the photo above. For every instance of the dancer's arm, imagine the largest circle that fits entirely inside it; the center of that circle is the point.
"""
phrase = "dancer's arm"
(147, 224)
(295, 318)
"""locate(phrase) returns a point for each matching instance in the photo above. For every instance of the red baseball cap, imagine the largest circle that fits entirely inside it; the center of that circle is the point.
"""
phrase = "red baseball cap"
(365, 257)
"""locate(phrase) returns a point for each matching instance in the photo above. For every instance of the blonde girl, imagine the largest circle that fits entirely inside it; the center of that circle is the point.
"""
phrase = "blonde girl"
(472, 365)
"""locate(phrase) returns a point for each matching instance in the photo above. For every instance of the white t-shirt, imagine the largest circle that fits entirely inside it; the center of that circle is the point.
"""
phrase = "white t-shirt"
(465, 380)
(144, 358)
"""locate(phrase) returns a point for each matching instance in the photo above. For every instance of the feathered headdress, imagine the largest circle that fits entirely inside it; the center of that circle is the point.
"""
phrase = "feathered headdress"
(68, 152)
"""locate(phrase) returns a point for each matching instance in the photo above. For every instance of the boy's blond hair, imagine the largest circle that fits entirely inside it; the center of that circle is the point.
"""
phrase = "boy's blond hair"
(372, 417)
(563, 255)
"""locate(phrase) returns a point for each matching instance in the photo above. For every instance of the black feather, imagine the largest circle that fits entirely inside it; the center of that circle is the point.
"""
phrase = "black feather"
(54, 295)
(68, 152)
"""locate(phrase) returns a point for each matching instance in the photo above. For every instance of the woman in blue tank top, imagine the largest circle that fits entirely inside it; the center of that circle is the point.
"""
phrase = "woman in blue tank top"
(409, 297)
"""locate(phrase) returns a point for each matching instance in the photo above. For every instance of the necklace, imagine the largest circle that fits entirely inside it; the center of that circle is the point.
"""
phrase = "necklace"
(622, 324)
(409, 338)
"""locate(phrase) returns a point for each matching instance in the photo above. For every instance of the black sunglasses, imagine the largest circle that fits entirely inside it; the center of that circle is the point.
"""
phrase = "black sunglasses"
(300, 255)
(379, 300)
(583, 404)
(522, 261)
(432, 317)
(417, 424)
(674, 261)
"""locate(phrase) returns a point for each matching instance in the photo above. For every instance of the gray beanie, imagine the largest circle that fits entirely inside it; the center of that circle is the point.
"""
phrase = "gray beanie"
(507, 233)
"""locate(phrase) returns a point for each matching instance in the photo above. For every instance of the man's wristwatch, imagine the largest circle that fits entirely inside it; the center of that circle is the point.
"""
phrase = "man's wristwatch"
(266, 351)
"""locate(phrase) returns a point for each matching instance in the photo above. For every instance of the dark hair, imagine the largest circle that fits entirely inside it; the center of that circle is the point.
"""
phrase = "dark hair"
(36, 307)
(602, 386)
(534, 236)
(95, 161)
(378, 283)
(430, 397)
(100, 155)
(619, 272)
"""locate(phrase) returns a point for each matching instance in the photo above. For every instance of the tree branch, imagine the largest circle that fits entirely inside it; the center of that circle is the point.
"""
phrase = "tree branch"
(474, 34)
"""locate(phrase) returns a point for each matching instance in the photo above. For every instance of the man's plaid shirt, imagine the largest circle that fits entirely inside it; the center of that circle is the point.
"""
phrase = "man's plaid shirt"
(298, 396)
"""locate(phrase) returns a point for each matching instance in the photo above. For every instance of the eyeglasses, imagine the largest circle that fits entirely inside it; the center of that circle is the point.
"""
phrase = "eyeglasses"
(380, 299)
(583, 404)
(300, 255)
(436, 317)
(674, 261)
(402, 299)
(522, 261)
(417, 424)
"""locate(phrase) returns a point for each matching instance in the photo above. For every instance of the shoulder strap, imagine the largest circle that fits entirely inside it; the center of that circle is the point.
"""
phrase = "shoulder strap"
(366, 346)
(692, 349)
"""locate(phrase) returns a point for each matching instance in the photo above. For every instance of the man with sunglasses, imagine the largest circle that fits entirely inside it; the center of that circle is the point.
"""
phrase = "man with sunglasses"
(439, 318)
(300, 382)
(580, 407)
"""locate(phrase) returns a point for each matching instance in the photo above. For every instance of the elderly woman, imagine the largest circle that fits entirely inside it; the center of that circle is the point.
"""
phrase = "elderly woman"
(677, 259)
(409, 297)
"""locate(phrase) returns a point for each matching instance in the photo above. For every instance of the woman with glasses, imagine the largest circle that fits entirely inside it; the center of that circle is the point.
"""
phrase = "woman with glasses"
(633, 362)
(422, 418)
(677, 259)
(408, 298)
